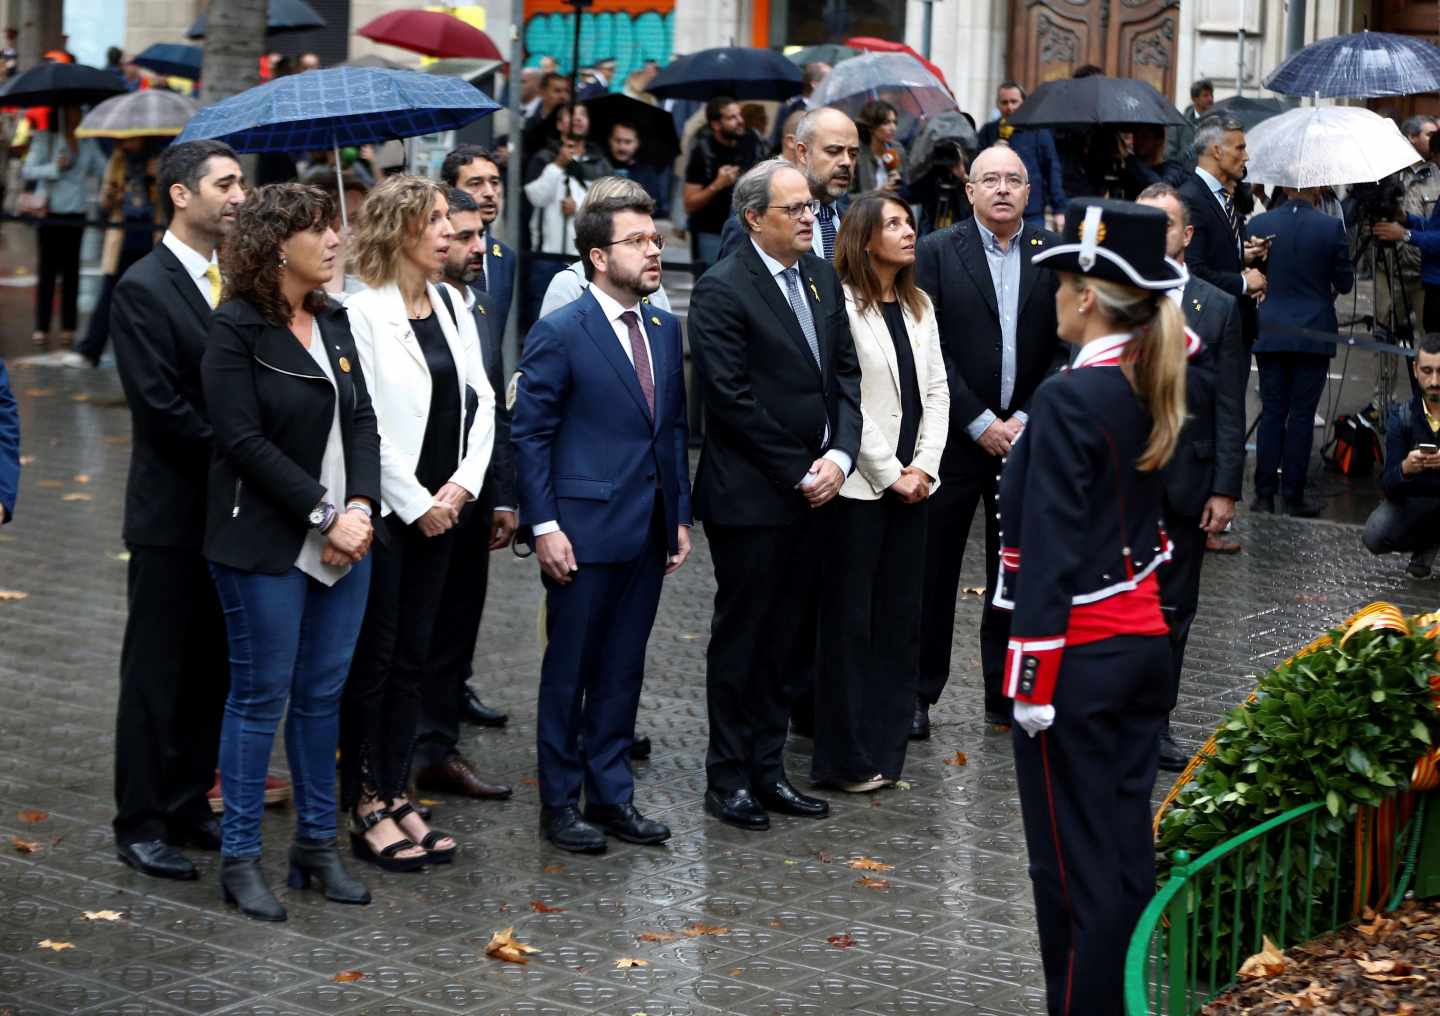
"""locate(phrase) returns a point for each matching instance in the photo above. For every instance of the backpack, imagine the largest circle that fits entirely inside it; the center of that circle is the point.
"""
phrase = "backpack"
(1354, 448)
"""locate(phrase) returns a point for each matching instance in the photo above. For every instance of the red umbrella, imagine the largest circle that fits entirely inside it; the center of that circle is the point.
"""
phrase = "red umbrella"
(875, 45)
(432, 33)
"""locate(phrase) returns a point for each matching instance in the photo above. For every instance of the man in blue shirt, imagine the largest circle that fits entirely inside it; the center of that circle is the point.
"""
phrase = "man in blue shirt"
(1036, 148)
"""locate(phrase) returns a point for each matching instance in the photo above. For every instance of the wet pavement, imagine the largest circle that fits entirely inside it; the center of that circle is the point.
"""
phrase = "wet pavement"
(725, 921)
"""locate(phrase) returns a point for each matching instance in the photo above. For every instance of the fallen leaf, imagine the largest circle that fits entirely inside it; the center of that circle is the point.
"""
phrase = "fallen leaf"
(122, 555)
(775, 922)
(1266, 963)
(1309, 998)
(80, 397)
(1376, 966)
(867, 882)
(974, 590)
(348, 976)
(529, 781)
(1375, 923)
(77, 496)
(958, 759)
(32, 815)
(8, 595)
(903, 784)
(81, 478)
(24, 846)
(656, 936)
(428, 802)
(503, 945)
(47, 943)
(869, 864)
(841, 941)
(698, 928)
(39, 393)
(27, 460)
(553, 869)
(541, 907)
(103, 915)
(735, 971)
(626, 962)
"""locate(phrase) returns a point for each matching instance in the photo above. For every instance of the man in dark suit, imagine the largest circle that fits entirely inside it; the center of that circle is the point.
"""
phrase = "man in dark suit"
(1309, 266)
(776, 367)
(603, 473)
(9, 448)
(474, 170)
(1206, 473)
(485, 525)
(1217, 253)
(996, 313)
(174, 659)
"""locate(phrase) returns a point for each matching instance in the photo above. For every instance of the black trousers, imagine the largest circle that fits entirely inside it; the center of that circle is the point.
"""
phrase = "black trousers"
(1180, 585)
(59, 245)
(97, 332)
(766, 578)
(174, 677)
(870, 654)
(951, 509)
(380, 710)
(457, 628)
(1085, 799)
(1431, 322)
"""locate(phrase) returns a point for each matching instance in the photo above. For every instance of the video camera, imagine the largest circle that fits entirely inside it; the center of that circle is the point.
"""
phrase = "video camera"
(1379, 202)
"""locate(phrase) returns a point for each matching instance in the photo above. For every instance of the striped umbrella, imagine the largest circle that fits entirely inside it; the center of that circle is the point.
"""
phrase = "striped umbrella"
(148, 113)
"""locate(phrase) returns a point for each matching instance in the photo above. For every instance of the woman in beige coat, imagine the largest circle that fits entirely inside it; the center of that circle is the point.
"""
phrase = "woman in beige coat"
(870, 603)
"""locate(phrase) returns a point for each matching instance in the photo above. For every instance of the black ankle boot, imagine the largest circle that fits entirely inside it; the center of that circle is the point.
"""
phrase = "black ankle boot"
(319, 861)
(243, 883)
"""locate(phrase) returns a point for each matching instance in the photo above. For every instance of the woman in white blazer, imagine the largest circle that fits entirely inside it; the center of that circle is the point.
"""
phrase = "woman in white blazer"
(436, 413)
(870, 600)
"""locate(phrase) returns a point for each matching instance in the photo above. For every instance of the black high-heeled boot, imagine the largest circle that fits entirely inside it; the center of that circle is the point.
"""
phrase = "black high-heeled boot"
(243, 884)
(319, 860)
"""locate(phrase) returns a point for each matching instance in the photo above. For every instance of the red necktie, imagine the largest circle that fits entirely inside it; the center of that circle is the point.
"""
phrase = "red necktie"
(641, 357)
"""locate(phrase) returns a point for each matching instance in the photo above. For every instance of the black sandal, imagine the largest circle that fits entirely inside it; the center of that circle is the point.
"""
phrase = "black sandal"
(433, 837)
(385, 859)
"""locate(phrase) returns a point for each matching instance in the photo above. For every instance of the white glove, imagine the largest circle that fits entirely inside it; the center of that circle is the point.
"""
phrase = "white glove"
(1033, 718)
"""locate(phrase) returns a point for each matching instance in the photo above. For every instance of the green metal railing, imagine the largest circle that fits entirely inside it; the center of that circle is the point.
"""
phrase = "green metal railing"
(1290, 879)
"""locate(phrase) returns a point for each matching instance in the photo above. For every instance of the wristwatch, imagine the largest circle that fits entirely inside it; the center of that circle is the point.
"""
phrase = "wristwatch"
(1407, 236)
(322, 516)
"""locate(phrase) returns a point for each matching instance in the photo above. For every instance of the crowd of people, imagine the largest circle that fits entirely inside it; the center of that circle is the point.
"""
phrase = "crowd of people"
(326, 452)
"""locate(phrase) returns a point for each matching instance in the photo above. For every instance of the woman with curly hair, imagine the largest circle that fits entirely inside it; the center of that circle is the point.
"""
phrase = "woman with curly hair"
(421, 355)
(294, 482)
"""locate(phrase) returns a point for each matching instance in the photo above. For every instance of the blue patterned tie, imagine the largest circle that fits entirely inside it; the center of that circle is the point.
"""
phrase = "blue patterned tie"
(802, 311)
(825, 215)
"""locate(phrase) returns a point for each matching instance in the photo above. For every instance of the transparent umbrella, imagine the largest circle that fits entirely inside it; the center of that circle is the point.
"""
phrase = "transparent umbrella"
(1325, 146)
(898, 78)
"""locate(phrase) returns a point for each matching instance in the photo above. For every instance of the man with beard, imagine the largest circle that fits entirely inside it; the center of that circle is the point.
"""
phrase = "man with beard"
(600, 450)
(474, 170)
(174, 661)
(1409, 517)
(722, 151)
(485, 525)
(622, 149)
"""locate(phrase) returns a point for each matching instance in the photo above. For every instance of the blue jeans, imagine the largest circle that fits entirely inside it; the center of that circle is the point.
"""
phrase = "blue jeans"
(290, 638)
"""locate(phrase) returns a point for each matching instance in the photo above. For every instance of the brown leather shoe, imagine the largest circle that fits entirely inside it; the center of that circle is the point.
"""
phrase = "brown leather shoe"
(456, 776)
(1219, 545)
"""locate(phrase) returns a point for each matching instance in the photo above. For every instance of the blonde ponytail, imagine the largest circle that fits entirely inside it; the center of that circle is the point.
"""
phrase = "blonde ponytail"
(1155, 360)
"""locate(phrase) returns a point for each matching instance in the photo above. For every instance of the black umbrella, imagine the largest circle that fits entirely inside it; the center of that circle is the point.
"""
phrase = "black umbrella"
(740, 72)
(281, 16)
(659, 143)
(1089, 102)
(60, 84)
(1250, 112)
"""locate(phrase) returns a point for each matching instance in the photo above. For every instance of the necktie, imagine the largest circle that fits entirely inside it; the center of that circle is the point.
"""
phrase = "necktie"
(802, 311)
(642, 359)
(212, 274)
(1229, 201)
(826, 217)
(479, 282)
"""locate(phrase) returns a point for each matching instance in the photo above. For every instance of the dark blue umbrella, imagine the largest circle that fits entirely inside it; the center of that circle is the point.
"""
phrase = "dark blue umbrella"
(1362, 65)
(173, 59)
(280, 16)
(737, 71)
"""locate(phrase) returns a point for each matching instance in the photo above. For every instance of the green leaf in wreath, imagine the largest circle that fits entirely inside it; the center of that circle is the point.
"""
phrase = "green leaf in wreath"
(1421, 731)
(1332, 801)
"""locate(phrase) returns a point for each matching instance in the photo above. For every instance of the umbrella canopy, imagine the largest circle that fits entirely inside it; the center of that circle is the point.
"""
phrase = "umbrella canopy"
(1362, 65)
(898, 78)
(172, 59)
(280, 16)
(1323, 146)
(1095, 101)
(60, 84)
(658, 141)
(1250, 112)
(738, 71)
(953, 126)
(339, 106)
(433, 33)
(874, 45)
(148, 113)
(827, 52)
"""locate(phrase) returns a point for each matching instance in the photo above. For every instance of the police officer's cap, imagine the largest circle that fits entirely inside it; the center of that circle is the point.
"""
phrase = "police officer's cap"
(1118, 241)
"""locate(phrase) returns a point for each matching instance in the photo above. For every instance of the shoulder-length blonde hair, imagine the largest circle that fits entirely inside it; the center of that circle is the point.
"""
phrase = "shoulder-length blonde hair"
(865, 217)
(392, 216)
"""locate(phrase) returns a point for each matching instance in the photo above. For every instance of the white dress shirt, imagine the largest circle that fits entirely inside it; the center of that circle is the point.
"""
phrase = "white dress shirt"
(1218, 190)
(193, 262)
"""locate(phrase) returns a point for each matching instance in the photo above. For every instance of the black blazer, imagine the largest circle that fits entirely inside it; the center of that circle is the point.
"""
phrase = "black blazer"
(272, 410)
(1210, 456)
(1213, 254)
(499, 484)
(160, 325)
(767, 405)
(950, 265)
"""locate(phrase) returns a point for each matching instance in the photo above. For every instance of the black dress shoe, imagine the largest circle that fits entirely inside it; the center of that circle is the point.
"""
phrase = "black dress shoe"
(157, 859)
(203, 835)
(640, 749)
(1173, 758)
(624, 822)
(736, 808)
(1303, 507)
(478, 712)
(782, 797)
(243, 884)
(998, 719)
(920, 722)
(1263, 503)
(564, 828)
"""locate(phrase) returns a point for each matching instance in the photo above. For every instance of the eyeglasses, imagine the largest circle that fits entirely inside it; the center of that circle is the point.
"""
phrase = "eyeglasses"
(639, 241)
(797, 211)
(991, 181)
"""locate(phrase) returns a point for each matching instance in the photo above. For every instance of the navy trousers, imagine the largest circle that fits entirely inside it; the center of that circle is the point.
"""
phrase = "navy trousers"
(1290, 388)
(597, 627)
(1085, 798)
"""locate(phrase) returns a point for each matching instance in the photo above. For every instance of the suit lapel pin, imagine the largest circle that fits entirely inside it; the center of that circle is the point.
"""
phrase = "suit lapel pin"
(1034, 241)
(814, 292)
(645, 300)
(482, 307)
(654, 320)
(495, 251)
(345, 365)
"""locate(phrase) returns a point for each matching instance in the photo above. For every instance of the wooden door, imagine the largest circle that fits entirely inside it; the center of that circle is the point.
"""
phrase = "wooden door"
(1407, 17)
(1049, 39)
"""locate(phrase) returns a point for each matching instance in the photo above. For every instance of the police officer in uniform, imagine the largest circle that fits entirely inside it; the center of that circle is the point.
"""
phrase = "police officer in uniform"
(1088, 660)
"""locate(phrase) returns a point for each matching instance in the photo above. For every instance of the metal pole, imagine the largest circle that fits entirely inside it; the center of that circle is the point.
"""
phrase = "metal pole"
(514, 172)
(925, 27)
(1240, 52)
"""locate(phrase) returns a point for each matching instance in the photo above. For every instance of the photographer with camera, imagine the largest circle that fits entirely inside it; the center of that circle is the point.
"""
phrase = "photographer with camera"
(1409, 517)
(1416, 261)
(940, 190)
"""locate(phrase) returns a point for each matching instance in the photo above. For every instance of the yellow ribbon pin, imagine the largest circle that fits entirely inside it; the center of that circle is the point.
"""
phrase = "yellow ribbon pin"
(495, 251)
(654, 320)
(344, 365)
(814, 292)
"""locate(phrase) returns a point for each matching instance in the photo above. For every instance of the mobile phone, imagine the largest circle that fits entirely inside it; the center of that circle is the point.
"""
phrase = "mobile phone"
(1428, 449)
